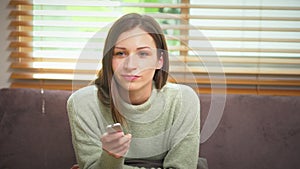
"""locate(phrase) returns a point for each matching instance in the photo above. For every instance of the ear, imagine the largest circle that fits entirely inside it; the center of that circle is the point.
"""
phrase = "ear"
(160, 62)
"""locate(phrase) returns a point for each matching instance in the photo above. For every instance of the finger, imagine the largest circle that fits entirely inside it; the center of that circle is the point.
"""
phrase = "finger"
(75, 166)
(119, 148)
(116, 146)
(121, 151)
(110, 137)
(115, 140)
(114, 154)
(123, 146)
(120, 145)
(129, 136)
(111, 142)
(125, 139)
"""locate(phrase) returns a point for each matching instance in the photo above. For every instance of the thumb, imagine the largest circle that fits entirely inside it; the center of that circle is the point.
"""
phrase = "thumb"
(128, 136)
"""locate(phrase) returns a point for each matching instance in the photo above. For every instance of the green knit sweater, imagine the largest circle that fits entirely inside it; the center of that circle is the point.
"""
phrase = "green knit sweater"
(165, 128)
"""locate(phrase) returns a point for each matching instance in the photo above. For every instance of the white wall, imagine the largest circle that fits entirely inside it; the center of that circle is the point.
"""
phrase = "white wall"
(4, 42)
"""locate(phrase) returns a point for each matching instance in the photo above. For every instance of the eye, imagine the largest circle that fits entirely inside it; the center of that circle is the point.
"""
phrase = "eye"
(120, 54)
(144, 53)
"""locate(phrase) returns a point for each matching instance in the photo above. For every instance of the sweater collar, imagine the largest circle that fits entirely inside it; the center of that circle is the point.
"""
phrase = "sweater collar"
(145, 112)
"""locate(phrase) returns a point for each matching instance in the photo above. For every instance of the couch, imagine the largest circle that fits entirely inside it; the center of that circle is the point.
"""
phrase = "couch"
(255, 132)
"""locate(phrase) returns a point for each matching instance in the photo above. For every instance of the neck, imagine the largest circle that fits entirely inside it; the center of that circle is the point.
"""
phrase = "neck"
(136, 97)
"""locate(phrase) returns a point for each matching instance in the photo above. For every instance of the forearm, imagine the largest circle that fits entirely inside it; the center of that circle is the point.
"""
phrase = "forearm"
(183, 155)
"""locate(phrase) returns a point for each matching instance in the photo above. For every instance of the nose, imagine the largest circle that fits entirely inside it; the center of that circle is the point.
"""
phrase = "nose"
(131, 62)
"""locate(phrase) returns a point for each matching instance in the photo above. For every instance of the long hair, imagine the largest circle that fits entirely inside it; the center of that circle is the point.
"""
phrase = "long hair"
(105, 75)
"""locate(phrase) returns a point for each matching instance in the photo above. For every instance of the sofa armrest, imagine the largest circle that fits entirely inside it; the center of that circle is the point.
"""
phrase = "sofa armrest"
(30, 137)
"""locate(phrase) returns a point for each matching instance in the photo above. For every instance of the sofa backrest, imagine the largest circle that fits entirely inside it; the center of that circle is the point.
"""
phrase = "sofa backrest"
(255, 132)
(33, 138)
(260, 132)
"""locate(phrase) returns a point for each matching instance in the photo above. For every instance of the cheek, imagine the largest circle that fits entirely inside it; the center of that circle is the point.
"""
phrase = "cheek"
(148, 64)
(115, 65)
(148, 73)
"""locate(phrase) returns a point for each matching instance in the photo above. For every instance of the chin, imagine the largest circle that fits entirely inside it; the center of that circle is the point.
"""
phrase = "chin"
(131, 87)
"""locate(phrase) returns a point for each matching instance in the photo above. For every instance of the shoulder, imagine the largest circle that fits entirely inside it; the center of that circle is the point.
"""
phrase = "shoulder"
(180, 90)
(85, 91)
(84, 103)
(181, 96)
(84, 94)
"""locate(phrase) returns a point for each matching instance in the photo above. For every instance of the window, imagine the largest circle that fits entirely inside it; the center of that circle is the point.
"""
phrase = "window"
(249, 47)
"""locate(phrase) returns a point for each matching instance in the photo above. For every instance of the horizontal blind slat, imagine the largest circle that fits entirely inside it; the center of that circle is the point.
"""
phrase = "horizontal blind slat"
(208, 80)
(155, 5)
(181, 27)
(157, 15)
(235, 60)
(173, 59)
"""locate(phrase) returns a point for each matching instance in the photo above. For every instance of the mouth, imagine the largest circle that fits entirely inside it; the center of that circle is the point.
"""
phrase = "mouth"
(130, 77)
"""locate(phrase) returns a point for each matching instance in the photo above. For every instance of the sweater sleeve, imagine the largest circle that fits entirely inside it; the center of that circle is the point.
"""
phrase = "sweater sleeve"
(86, 139)
(184, 150)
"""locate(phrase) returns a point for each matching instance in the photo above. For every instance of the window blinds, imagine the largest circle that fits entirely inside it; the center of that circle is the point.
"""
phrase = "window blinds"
(249, 47)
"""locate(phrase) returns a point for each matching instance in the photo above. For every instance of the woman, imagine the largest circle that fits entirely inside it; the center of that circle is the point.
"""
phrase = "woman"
(160, 120)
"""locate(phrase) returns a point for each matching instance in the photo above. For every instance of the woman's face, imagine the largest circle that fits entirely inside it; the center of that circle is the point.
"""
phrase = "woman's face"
(135, 60)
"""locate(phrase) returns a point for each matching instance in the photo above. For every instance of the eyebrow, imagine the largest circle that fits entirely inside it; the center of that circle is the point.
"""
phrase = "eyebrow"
(139, 48)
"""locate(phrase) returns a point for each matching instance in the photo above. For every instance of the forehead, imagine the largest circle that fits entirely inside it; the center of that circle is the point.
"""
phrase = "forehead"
(135, 37)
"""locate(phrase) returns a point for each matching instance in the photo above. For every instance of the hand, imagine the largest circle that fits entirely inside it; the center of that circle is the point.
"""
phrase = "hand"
(75, 166)
(116, 144)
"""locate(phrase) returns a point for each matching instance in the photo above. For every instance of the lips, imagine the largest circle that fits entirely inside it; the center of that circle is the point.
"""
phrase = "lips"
(130, 77)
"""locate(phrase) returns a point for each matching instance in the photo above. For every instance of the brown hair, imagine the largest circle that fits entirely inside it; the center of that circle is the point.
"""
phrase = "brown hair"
(105, 75)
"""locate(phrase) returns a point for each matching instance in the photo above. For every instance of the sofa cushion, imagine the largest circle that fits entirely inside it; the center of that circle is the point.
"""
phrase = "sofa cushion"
(30, 136)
